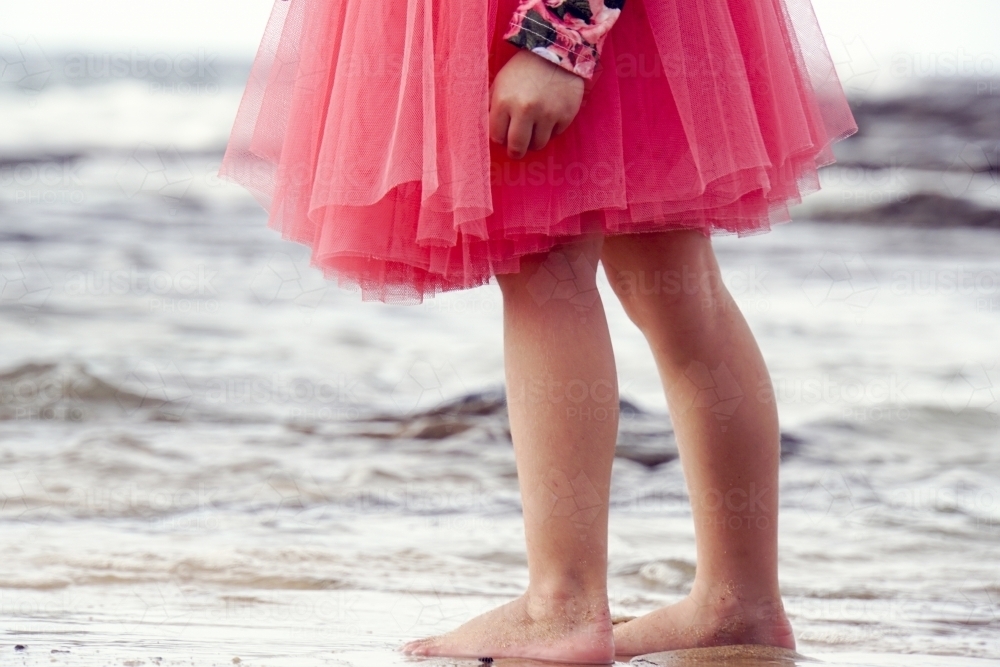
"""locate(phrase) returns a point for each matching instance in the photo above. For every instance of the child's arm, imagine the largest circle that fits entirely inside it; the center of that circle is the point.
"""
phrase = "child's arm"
(569, 33)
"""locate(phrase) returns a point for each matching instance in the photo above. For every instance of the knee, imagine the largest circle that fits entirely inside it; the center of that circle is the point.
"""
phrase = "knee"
(667, 277)
(639, 305)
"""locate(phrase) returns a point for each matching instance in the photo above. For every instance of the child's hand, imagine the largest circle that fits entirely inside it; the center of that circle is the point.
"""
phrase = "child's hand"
(532, 99)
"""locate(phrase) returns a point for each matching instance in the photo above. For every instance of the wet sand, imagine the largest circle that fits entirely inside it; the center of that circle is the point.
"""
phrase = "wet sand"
(730, 656)
(205, 654)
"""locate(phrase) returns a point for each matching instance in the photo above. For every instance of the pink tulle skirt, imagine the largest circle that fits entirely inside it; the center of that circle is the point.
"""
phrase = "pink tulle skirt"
(363, 131)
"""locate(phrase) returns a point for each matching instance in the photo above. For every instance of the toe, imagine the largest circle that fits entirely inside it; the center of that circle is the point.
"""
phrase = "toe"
(410, 647)
(419, 647)
(427, 646)
(432, 646)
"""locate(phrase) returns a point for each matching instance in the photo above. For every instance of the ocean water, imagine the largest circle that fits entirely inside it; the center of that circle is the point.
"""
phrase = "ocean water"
(209, 453)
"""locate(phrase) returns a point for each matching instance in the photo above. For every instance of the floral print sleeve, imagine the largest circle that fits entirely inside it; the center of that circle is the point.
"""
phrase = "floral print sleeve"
(569, 33)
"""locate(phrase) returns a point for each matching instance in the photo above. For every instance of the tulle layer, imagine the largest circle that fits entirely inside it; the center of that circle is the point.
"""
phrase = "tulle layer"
(363, 131)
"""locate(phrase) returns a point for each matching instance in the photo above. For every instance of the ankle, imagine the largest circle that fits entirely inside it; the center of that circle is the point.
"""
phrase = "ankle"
(755, 605)
(574, 604)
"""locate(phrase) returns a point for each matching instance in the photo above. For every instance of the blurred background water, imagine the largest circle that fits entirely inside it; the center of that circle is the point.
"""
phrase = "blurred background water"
(209, 452)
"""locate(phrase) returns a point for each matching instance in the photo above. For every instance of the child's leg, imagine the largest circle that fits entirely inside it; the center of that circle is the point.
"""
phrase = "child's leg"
(562, 395)
(719, 393)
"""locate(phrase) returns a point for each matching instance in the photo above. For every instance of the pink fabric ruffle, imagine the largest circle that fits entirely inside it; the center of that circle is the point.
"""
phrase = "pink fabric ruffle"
(363, 131)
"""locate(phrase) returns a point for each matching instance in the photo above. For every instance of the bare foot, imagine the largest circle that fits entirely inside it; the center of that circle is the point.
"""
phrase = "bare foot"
(576, 631)
(716, 620)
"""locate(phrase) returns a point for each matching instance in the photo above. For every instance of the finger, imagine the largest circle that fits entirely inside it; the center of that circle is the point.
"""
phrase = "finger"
(540, 137)
(561, 126)
(499, 122)
(519, 135)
